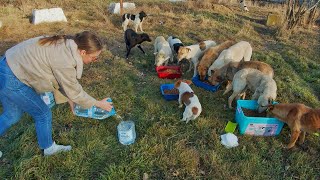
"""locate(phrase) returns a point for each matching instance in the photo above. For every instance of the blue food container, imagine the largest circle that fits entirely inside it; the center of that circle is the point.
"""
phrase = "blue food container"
(257, 126)
(196, 81)
(168, 97)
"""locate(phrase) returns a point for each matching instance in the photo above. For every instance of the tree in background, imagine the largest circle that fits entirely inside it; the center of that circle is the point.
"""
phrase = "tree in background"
(296, 10)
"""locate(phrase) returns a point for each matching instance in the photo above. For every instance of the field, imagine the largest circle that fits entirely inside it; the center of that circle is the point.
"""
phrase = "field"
(165, 148)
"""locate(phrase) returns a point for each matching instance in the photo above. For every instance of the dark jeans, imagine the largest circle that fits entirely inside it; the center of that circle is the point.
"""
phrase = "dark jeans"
(16, 98)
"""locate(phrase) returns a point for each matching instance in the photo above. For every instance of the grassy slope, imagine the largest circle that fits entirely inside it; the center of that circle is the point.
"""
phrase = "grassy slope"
(165, 148)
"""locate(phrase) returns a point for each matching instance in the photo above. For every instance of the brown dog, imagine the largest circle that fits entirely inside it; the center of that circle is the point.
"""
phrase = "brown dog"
(227, 72)
(299, 118)
(209, 56)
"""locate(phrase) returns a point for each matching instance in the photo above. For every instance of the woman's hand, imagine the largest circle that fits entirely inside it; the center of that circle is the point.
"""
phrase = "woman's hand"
(71, 106)
(103, 104)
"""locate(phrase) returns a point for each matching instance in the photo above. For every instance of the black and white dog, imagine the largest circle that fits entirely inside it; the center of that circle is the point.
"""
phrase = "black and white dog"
(175, 44)
(136, 19)
(243, 5)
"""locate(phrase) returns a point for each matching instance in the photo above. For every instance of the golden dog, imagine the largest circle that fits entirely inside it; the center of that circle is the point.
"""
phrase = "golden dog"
(227, 72)
(210, 56)
(300, 119)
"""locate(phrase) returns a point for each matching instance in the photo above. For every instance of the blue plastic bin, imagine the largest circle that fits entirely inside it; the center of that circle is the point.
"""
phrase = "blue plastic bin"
(203, 85)
(168, 97)
(258, 126)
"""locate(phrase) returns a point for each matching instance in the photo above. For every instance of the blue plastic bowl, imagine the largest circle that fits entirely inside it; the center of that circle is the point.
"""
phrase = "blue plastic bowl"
(196, 81)
(168, 97)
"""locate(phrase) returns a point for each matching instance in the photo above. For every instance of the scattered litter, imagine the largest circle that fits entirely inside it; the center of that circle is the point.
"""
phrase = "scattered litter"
(48, 15)
(229, 140)
(145, 176)
(231, 127)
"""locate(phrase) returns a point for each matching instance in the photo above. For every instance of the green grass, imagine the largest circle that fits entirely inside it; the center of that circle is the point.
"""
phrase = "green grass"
(165, 148)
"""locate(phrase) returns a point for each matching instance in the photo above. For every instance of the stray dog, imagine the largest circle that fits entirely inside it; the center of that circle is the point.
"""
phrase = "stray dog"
(175, 44)
(193, 53)
(209, 57)
(263, 86)
(227, 72)
(136, 19)
(243, 6)
(162, 51)
(189, 99)
(235, 53)
(300, 119)
(132, 39)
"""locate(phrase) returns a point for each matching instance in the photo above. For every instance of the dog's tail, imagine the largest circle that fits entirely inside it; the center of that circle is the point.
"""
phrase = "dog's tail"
(195, 110)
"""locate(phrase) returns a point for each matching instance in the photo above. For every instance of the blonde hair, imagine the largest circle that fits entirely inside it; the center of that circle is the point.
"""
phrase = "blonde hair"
(85, 40)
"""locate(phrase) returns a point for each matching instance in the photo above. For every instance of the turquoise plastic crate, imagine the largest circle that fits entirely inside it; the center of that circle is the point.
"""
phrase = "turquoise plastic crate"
(258, 126)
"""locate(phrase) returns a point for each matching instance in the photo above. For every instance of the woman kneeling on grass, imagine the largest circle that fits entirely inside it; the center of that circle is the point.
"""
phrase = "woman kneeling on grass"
(46, 64)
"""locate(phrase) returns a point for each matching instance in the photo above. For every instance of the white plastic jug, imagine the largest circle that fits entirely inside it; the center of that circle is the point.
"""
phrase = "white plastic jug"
(126, 132)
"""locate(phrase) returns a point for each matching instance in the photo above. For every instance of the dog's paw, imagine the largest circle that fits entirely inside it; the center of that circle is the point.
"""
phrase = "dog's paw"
(290, 146)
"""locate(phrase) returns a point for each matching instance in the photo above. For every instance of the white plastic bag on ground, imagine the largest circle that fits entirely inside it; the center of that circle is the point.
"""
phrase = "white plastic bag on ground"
(229, 140)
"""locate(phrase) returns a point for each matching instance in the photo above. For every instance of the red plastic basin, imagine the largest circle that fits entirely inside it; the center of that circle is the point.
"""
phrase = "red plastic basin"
(169, 72)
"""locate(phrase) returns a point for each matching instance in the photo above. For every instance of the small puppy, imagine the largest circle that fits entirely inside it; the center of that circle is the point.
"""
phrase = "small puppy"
(136, 19)
(300, 119)
(132, 39)
(189, 99)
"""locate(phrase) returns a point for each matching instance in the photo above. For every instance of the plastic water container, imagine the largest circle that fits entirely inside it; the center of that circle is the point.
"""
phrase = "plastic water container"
(126, 132)
(94, 112)
(48, 98)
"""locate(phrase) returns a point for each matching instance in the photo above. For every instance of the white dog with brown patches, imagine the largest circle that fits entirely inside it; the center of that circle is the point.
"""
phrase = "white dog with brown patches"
(194, 52)
(189, 99)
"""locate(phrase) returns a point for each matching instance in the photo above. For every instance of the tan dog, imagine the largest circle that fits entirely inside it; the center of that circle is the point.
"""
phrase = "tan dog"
(263, 86)
(210, 55)
(300, 119)
(227, 72)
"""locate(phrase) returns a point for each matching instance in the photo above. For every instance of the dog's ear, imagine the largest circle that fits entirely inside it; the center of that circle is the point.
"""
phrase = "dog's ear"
(270, 107)
(177, 83)
(187, 81)
(202, 46)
